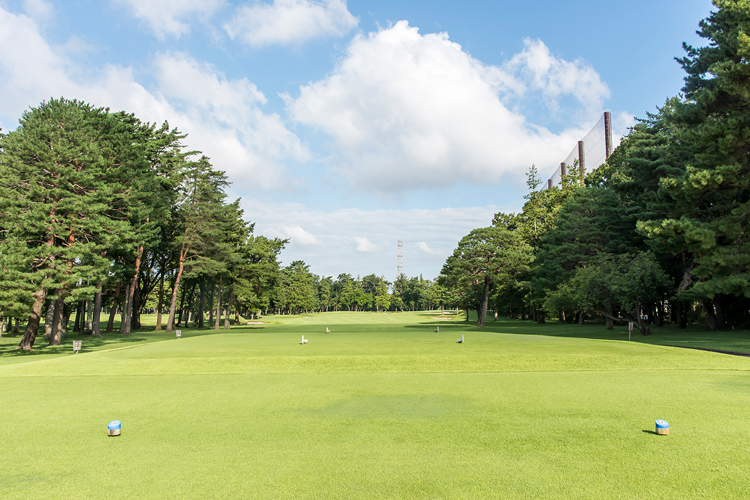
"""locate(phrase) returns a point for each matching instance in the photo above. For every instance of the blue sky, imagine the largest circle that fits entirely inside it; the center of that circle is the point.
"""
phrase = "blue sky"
(347, 126)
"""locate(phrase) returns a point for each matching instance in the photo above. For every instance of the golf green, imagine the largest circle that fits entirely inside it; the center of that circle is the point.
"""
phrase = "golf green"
(383, 406)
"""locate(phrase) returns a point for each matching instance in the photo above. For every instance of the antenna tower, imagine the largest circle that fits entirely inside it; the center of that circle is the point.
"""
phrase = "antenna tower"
(400, 258)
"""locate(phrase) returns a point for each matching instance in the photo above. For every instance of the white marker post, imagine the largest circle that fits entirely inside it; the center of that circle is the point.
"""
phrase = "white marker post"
(630, 329)
(179, 333)
(76, 346)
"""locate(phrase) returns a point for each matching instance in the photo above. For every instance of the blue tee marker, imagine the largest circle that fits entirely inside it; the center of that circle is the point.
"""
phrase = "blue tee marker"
(113, 429)
(662, 427)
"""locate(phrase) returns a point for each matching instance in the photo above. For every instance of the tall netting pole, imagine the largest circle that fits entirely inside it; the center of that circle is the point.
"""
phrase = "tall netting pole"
(608, 134)
(581, 160)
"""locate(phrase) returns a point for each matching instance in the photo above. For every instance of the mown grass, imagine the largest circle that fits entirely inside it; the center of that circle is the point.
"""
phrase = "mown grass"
(381, 407)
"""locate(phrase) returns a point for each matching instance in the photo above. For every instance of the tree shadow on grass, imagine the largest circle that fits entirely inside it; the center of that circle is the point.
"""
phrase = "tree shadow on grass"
(88, 344)
(697, 337)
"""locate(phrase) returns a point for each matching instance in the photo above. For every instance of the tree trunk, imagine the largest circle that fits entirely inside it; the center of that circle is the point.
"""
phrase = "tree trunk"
(126, 329)
(218, 304)
(201, 302)
(49, 318)
(659, 317)
(211, 304)
(160, 303)
(643, 326)
(57, 324)
(77, 323)
(124, 317)
(682, 314)
(67, 311)
(228, 312)
(720, 320)
(113, 311)
(32, 327)
(135, 310)
(173, 304)
(90, 315)
(709, 307)
(485, 300)
(96, 319)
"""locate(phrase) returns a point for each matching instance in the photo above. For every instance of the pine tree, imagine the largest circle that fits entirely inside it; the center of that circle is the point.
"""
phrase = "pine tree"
(711, 127)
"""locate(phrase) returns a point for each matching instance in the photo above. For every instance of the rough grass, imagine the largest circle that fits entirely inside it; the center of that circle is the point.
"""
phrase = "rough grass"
(382, 407)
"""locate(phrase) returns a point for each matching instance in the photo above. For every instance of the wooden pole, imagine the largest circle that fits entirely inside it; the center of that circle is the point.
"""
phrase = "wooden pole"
(581, 158)
(607, 134)
(562, 169)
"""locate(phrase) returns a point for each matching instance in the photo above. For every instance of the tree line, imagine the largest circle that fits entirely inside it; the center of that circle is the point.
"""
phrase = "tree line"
(101, 212)
(658, 233)
(300, 290)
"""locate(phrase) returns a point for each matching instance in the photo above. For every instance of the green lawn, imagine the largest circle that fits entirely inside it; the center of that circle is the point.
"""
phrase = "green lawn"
(382, 407)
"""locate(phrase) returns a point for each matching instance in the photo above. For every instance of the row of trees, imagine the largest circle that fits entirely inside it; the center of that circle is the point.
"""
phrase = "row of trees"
(657, 233)
(300, 290)
(100, 209)
(102, 212)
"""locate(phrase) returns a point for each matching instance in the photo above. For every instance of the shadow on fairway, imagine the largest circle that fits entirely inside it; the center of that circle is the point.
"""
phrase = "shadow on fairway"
(695, 336)
(108, 340)
(89, 344)
(651, 432)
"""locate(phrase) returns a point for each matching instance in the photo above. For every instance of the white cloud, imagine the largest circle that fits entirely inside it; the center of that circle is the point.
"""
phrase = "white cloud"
(222, 117)
(41, 10)
(439, 230)
(226, 122)
(557, 77)
(168, 17)
(290, 21)
(409, 111)
(362, 244)
(295, 234)
(621, 124)
(424, 247)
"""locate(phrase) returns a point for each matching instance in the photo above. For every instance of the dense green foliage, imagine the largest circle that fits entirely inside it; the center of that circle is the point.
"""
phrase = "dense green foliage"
(100, 211)
(660, 231)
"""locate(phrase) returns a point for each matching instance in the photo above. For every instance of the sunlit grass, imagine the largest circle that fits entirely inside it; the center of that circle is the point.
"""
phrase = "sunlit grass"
(383, 406)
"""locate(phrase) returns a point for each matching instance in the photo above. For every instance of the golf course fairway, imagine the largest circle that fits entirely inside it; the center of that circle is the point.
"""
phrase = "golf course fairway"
(383, 406)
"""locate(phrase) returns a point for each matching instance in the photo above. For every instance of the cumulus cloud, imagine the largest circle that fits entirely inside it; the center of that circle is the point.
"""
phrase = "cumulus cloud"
(621, 124)
(295, 234)
(409, 111)
(169, 17)
(41, 10)
(555, 77)
(425, 248)
(290, 21)
(223, 117)
(362, 244)
(228, 122)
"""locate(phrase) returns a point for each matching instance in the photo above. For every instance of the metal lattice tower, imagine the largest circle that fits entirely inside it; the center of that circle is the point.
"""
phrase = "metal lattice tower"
(400, 258)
